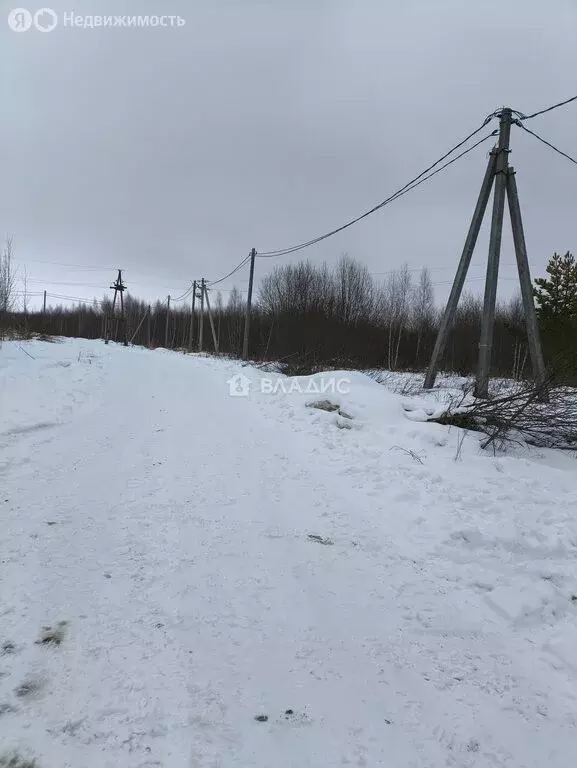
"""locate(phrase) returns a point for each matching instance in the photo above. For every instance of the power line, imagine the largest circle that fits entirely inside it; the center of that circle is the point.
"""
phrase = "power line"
(70, 266)
(421, 178)
(238, 266)
(425, 175)
(87, 285)
(402, 191)
(231, 290)
(186, 294)
(547, 143)
(470, 279)
(80, 267)
(547, 109)
(437, 269)
(73, 298)
(56, 282)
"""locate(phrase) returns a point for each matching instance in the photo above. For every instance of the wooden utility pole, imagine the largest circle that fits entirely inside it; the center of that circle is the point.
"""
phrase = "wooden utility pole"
(191, 329)
(149, 327)
(44, 304)
(248, 306)
(214, 339)
(201, 320)
(118, 287)
(167, 323)
(499, 172)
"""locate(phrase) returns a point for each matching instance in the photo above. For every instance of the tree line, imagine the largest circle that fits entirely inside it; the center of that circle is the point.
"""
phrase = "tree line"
(307, 316)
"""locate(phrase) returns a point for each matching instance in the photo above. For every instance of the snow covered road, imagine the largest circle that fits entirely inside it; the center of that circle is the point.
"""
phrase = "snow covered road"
(219, 558)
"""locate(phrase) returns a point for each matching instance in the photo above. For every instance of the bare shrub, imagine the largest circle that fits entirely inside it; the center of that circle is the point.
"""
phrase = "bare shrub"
(545, 417)
(14, 760)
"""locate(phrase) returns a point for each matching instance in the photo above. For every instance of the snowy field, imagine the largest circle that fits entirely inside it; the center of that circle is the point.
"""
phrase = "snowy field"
(191, 579)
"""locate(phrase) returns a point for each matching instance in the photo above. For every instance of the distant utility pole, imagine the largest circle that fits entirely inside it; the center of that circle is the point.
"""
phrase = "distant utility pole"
(44, 304)
(139, 326)
(118, 287)
(248, 306)
(503, 176)
(201, 321)
(149, 327)
(167, 322)
(214, 338)
(191, 329)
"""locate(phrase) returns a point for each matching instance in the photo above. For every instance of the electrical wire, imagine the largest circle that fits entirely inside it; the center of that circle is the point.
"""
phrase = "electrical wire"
(52, 282)
(185, 295)
(79, 267)
(547, 143)
(547, 109)
(473, 279)
(238, 266)
(418, 180)
(230, 290)
(72, 298)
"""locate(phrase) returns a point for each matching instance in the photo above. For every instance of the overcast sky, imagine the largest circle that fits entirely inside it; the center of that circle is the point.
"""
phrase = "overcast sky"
(170, 152)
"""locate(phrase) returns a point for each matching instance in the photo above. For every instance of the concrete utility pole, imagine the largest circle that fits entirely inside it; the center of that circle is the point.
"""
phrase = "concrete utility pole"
(532, 326)
(191, 328)
(167, 322)
(248, 306)
(201, 320)
(149, 327)
(462, 270)
(498, 170)
(488, 319)
(214, 338)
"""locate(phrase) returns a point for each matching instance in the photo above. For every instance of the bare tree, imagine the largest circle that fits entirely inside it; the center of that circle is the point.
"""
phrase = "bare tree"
(7, 277)
(218, 311)
(25, 295)
(293, 289)
(423, 309)
(235, 316)
(398, 295)
(354, 291)
(514, 322)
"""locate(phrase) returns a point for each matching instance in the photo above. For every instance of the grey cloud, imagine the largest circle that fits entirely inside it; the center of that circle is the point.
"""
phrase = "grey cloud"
(171, 152)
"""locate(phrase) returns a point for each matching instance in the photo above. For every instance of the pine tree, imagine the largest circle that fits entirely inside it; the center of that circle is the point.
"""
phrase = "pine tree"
(556, 298)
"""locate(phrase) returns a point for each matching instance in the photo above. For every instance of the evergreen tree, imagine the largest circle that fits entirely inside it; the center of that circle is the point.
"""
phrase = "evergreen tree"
(556, 298)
